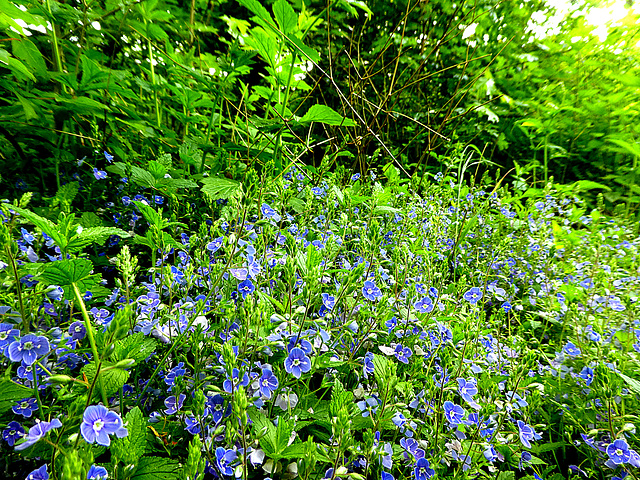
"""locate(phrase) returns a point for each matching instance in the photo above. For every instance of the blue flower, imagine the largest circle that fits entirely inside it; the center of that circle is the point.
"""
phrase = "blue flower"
(268, 383)
(423, 470)
(473, 295)
(8, 335)
(174, 404)
(193, 425)
(386, 476)
(25, 407)
(26, 236)
(453, 413)
(108, 156)
(246, 288)
(355, 177)
(13, 432)
(39, 474)
(403, 353)
(369, 367)
(270, 213)
(297, 362)
(525, 460)
(97, 473)
(329, 301)
(571, 350)
(467, 389)
(215, 406)
(370, 291)
(28, 349)
(98, 423)
(424, 305)
(38, 431)
(587, 375)
(618, 452)
(215, 245)
(224, 460)
(231, 384)
(527, 433)
(99, 174)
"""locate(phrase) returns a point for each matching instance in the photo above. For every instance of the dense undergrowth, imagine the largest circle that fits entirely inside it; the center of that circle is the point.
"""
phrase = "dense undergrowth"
(347, 328)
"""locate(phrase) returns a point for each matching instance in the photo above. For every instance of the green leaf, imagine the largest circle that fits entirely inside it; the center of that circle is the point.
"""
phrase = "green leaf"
(216, 187)
(257, 9)
(91, 235)
(47, 226)
(157, 468)
(28, 107)
(339, 398)
(10, 393)
(27, 51)
(136, 346)
(112, 379)
(632, 383)
(66, 272)
(142, 177)
(324, 114)
(149, 214)
(285, 16)
(132, 447)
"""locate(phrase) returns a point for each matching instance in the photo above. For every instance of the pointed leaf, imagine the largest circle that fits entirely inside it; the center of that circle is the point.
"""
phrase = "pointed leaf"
(27, 51)
(285, 16)
(157, 468)
(10, 393)
(257, 9)
(225, 188)
(66, 272)
(47, 226)
(324, 114)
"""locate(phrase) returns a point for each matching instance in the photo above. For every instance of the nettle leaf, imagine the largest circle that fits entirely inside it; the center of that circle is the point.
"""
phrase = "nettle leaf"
(27, 51)
(136, 346)
(10, 393)
(339, 398)
(215, 188)
(324, 114)
(149, 214)
(66, 272)
(157, 468)
(132, 447)
(47, 226)
(142, 177)
(285, 16)
(257, 9)
(91, 235)
(632, 383)
(112, 379)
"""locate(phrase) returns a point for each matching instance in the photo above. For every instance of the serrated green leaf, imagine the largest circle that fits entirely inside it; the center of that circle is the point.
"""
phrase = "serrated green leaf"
(47, 226)
(632, 383)
(112, 379)
(142, 177)
(175, 183)
(118, 168)
(26, 50)
(324, 114)
(149, 214)
(90, 219)
(257, 9)
(28, 107)
(136, 346)
(215, 188)
(66, 272)
(91, 235)
(20, 71)
(132, 447)
(285, 16)
(157, 468)
(10, 393)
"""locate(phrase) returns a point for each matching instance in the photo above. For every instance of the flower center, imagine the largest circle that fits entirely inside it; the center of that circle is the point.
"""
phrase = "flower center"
(28, 345)
(98, 425)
